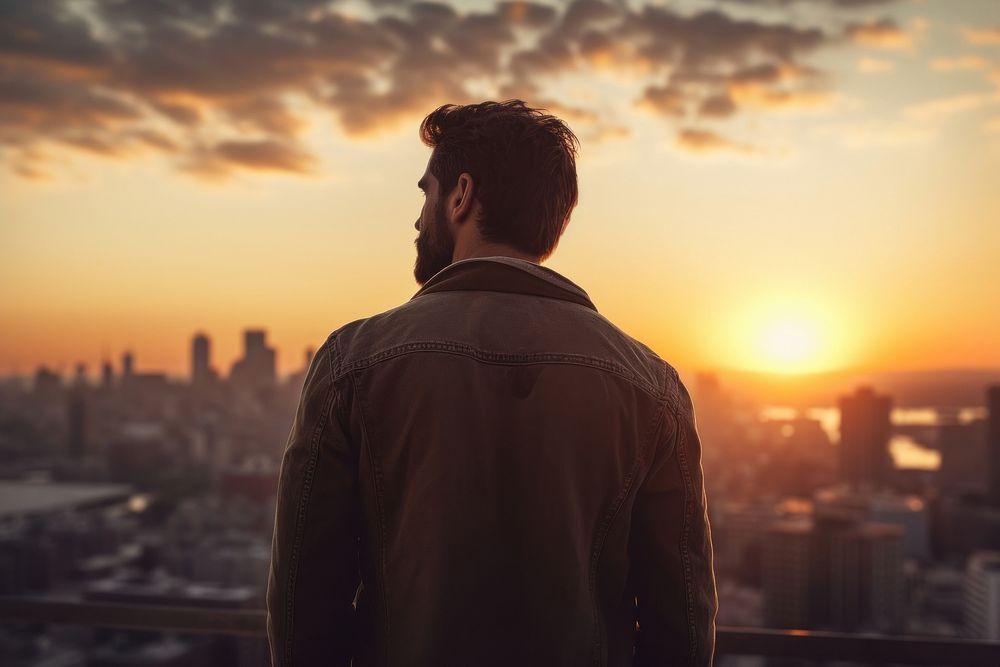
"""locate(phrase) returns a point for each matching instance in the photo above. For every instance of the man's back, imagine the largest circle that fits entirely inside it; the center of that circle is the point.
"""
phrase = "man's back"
(507, 473)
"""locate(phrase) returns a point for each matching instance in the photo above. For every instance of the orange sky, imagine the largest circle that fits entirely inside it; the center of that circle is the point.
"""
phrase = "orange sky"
(785, 186)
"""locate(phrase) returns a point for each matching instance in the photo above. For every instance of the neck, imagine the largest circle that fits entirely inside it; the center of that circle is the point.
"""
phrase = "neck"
(484, 249)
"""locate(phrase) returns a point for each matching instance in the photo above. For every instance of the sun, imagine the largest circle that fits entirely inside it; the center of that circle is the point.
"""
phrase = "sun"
(788, 335)
(789, 344)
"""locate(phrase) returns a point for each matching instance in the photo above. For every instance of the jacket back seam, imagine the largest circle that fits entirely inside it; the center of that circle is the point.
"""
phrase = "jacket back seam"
(599, 540)
(380, 516)
(486, 356)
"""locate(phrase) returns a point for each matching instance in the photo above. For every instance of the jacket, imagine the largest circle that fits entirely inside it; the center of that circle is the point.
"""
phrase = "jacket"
(491, 473)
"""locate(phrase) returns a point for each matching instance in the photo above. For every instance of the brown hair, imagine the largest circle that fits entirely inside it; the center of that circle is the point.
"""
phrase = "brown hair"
(522, 162)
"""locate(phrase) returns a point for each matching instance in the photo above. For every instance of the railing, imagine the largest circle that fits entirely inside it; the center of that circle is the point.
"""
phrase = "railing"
(789, 644)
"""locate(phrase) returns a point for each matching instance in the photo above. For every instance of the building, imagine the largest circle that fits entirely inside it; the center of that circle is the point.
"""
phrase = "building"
(47, 382)
(981, 596)
(993, 443)
(865, 430)
(258, 367)
(76, 422)
(962, 455)
(834, 572)
(127, 362)
(107, 375)
(789, 579)
(201, 352)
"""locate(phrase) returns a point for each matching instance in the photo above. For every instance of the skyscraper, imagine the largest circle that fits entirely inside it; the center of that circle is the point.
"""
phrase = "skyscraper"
(981, 596)
(201, 351)
(258, 366)
(834, 572)
(107, 374)
(993, 443)
(127, 365)
(865, 429)
(76, 421)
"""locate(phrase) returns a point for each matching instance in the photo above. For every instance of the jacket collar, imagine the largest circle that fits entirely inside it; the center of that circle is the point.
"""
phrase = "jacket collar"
(505, 274)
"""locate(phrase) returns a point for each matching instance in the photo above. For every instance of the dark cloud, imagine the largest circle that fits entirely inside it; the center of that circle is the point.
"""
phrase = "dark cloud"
(213, 83)
(218, 161)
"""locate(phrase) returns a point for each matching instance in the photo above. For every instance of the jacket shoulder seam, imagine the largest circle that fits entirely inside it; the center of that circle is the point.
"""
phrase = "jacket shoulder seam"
(490, 356)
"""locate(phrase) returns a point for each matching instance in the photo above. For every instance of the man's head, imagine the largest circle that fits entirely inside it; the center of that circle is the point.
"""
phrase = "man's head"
(500, 180)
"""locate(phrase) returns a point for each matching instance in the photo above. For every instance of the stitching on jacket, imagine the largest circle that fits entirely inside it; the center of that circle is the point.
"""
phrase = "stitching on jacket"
(380, 511)
(602, 532)
(685, 548)
(500, 357)
(300, 515)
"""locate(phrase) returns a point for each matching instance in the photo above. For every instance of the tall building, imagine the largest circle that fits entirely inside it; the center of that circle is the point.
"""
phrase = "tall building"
(866, 578)
(127, 361)
(834, 572)
(865, 430)
(76, 421)
(962, 447)
(201, 352)
(258, 366)
(789, 580)
(107, 374)
(981, 596)
(47, 382)
(993, 443)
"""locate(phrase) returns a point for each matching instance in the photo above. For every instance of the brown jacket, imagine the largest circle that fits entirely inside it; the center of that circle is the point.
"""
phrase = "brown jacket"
(491, 474)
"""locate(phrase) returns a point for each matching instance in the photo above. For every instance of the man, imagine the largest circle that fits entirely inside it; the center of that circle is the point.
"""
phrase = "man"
(492, 473)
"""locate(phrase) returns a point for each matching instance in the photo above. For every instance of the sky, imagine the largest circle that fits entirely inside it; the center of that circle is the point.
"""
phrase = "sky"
(785, 186)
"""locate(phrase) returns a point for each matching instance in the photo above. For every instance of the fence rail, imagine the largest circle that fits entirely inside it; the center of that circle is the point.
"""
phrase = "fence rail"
(794, 644)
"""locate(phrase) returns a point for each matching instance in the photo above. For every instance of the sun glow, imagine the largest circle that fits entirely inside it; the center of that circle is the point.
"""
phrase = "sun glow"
(790, 337)
(789, 342)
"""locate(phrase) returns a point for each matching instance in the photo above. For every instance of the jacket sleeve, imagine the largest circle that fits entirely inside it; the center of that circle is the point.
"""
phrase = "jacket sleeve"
(314, 571)
(671, 547)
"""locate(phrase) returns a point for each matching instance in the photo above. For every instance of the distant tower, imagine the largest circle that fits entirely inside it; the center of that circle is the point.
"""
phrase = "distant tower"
(201, 350)
(47, 382)
(127, 365)
(76, 421)
(993, 442)
(865, 429)
(258, 367)
(107, 374)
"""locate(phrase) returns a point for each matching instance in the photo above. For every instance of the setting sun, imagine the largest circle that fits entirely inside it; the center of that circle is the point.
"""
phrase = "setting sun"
(789, 344)
(789, 335)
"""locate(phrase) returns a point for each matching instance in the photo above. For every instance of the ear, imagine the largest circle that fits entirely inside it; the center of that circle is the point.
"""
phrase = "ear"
(462, 200)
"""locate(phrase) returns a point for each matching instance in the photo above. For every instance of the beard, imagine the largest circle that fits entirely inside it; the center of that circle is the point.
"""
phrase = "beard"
(435, 247)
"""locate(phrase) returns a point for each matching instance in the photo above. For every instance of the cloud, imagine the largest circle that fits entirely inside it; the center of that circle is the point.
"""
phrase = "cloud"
(875, 66)
(700, 140)
(982, 36)
(217, 86)
(960, 63)
(220, 160)
(885, 33)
